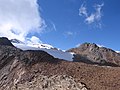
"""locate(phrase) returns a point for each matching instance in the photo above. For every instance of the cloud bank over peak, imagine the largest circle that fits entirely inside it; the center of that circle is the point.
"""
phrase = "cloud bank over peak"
(93, 17)
(19, 18)
(33, 40)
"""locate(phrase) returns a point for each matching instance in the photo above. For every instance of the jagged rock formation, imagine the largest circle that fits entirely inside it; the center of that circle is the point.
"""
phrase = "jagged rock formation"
(91, 53)
(55, 82)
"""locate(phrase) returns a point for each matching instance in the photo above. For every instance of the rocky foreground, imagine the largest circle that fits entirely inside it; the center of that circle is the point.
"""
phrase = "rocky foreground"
(37, 70)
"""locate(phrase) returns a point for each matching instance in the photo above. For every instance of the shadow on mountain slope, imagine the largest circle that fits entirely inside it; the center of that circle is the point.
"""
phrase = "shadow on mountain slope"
(90, 53)
(84, 59)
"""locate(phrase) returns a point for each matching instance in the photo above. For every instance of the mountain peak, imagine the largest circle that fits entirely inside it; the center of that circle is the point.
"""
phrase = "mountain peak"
(5, 41)
(88, 45)
(92, 53)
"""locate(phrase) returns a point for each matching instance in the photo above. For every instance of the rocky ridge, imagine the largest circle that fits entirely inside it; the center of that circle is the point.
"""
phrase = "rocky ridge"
(93, 54)
(55, 82)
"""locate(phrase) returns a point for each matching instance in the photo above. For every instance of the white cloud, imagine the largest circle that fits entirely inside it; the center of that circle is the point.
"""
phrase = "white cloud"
(33, 40)
(94, 17)
(69, 33)
(18, 18)
(53, 26)
(83, 10)
(90, 19)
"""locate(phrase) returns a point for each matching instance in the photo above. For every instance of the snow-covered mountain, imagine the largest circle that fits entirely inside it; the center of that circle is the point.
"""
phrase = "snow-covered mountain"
(47, 46)
(44, 47)
(38, 45)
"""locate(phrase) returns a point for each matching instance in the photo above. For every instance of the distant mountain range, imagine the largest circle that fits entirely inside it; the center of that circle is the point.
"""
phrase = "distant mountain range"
(87, 67)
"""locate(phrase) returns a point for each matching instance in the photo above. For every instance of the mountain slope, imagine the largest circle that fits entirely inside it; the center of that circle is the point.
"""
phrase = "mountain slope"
(17, 70)
(37, 70)
(93, 54)
(5, 41)
(54, 52)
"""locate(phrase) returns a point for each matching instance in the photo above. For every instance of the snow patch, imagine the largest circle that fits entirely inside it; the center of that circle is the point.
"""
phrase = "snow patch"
(47, 46)
(117, 51)
(55, 53)
(100, 45)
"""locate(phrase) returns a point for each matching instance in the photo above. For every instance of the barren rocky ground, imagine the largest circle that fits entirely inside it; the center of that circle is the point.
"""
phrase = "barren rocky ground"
(37, 70)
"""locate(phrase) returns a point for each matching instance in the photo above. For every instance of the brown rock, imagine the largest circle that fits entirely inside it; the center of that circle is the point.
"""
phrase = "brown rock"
(92, 54)
(37, 70)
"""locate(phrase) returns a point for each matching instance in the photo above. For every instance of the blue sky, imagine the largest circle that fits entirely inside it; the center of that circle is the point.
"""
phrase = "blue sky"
(71, 29)
(62, 23)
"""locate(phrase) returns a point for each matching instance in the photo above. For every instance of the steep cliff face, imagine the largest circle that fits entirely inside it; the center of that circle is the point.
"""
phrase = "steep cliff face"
(91, 53)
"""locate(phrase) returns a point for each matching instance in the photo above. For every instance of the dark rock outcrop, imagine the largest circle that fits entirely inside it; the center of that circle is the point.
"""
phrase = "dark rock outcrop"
(5, 41)
(91, 53)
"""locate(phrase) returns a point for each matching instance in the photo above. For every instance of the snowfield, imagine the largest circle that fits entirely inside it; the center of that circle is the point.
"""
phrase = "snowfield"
(55, 53)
